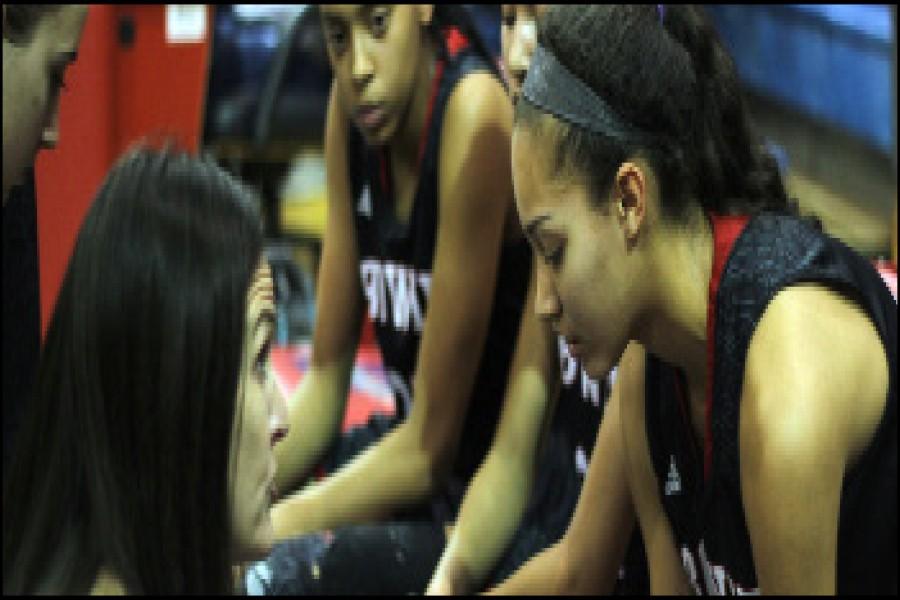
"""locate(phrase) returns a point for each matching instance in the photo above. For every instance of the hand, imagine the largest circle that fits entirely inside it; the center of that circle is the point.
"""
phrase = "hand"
(439, 586)
(449, 580)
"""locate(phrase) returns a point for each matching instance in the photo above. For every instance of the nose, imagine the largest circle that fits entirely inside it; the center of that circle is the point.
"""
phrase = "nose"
(546, 302)
(522, 47)
(50, 132)
(361, 69)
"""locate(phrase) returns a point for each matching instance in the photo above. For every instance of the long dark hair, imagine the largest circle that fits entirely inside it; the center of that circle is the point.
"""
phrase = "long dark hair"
(671, 77)
(123, 457)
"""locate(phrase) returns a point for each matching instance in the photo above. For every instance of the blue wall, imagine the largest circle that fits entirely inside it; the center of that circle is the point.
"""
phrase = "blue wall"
(831, 61)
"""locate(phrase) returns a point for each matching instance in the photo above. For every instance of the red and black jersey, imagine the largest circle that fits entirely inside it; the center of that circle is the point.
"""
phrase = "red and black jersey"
(395, 263)
(700, 487)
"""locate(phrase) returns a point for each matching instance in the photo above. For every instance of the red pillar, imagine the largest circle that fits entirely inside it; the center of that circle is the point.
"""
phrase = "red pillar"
(116, 94)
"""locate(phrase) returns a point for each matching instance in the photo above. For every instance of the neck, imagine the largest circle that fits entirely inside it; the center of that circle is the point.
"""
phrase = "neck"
(404, 146)
(675, 323)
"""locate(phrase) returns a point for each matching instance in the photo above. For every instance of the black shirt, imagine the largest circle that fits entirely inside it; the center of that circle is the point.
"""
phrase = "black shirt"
(396, 260)
(580, 407)
(705, 511)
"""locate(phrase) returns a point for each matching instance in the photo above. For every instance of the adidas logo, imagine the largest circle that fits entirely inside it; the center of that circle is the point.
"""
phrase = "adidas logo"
(673, 479)
(581, 461)
(364, 207)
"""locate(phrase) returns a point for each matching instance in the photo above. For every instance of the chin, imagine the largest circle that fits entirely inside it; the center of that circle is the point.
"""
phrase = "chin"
(256, 550)
(598, 366)
(259, 544)
(382, 137)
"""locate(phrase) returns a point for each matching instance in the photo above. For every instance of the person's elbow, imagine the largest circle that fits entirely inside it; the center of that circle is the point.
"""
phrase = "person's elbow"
(441, 454)
(436, 451)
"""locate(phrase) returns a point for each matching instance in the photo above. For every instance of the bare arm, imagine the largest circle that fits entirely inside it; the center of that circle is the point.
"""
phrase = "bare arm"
(316, 408)
(497, 497)
(814, 389)
(587, 558)
(404, 467)
(667, 574)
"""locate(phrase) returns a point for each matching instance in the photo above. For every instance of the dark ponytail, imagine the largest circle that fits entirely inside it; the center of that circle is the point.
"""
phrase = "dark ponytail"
(671, 78)
(734, 169)
(454, 15)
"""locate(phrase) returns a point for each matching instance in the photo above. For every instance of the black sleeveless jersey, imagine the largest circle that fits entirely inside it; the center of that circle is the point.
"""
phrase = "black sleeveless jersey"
(579, 408)
(576, 421)
(700, 488)
(396, 260)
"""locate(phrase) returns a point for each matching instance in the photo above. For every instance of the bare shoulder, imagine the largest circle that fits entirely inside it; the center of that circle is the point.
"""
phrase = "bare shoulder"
(477, 121)
(816, 360)
(479, 98)
(475, 174)
(814, 390)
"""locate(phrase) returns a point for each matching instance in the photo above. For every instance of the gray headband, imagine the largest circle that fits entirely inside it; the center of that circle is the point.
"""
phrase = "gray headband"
(553, 88)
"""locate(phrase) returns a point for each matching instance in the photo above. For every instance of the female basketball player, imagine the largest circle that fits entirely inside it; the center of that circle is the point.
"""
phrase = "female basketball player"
(757, 397)
(422, 233)
(145, 463)
(525, 493)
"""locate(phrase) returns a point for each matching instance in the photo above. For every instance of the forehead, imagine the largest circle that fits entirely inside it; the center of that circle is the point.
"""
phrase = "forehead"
(534, 146)
(538, 183)
(531, 165)
(342, 11)
(525, 9)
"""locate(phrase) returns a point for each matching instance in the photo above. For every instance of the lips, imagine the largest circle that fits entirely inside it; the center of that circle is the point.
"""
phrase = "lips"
(371, 116)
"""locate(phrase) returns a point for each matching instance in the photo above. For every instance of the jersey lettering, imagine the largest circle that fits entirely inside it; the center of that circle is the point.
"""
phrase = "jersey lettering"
(716, 578)
(570, 370)
(590, 389)
(365, 202)
(581, 461)
(395, 294)
(690, 568)
(567, 363)
(572, 374)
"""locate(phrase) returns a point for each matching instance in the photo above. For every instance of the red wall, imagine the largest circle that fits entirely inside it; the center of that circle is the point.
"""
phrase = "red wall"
(160, 87)
(114, 96)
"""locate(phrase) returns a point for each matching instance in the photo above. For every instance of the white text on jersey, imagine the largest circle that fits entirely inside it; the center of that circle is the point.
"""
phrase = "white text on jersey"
(395, 293)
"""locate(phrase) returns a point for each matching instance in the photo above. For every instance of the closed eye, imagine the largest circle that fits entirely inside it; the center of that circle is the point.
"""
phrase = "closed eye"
(554, 259)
